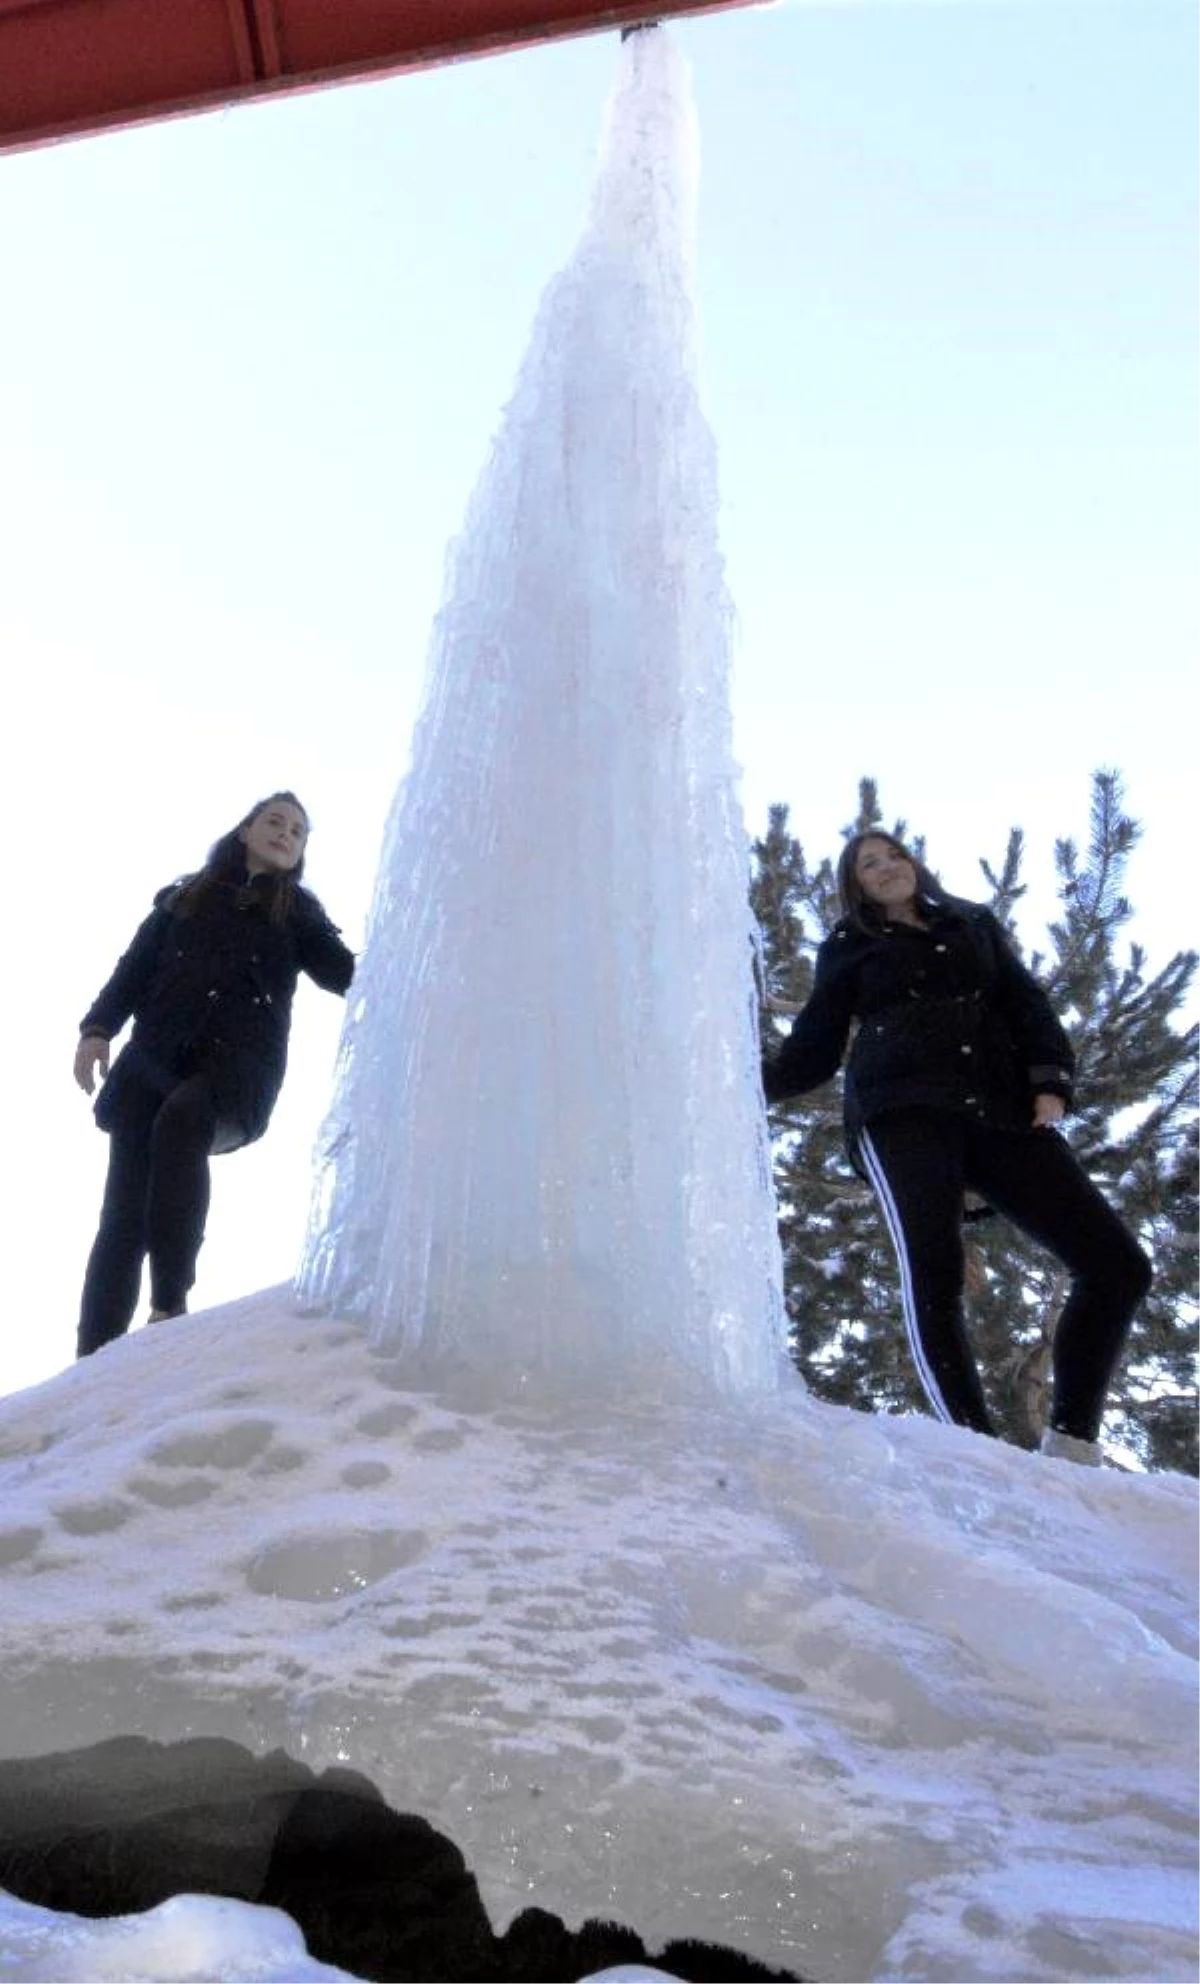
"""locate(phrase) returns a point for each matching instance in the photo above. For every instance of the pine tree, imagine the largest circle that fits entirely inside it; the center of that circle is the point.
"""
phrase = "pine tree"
(1133, 1127)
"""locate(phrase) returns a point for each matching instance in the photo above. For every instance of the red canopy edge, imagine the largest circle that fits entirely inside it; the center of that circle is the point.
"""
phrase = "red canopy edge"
(70, 67)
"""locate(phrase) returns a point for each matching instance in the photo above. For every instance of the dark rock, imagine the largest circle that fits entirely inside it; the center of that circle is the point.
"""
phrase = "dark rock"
(119, 1827)
(541, 1949)
(708, 1963)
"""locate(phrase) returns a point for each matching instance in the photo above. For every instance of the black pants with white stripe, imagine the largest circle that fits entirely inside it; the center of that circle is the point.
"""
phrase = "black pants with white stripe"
(920, 1162)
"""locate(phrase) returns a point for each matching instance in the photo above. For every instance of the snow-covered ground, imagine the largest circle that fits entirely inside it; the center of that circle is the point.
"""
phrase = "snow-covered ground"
(867, 1698)
(190, 1938)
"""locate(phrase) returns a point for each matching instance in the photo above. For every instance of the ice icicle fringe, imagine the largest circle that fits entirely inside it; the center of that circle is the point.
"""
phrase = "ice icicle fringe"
(547, 1159)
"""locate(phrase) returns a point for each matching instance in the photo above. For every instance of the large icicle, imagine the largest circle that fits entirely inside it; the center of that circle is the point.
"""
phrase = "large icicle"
(547, 1158)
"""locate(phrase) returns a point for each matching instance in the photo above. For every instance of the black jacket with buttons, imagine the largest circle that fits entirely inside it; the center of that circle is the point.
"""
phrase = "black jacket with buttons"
(947, 1018)
(209, 983)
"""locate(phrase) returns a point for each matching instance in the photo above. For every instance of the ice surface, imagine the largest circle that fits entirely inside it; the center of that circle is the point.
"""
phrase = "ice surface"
(867, 1698)
(547, 1158)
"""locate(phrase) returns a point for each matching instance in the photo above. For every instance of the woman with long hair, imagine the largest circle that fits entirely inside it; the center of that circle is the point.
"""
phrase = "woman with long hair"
(208, 982)
(958, 1080)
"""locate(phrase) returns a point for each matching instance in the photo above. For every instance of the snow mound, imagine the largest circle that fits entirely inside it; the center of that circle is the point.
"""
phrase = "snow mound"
(863, 1697)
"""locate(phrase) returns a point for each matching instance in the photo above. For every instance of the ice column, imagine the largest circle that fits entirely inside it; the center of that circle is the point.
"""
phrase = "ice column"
(547, 1158)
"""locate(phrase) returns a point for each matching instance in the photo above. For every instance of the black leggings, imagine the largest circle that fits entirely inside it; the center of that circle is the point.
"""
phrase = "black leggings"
(919, 1163)
(155, 1202)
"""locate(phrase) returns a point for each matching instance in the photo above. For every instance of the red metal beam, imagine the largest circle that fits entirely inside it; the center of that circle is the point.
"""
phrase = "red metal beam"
(68, 67)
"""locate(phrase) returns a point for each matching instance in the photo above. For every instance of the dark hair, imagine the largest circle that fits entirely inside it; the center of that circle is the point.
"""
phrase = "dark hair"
(851, 895)
(225, 865)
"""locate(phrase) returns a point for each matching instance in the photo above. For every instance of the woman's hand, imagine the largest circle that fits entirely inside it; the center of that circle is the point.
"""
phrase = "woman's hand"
(1048, 1111)
(91, 1058)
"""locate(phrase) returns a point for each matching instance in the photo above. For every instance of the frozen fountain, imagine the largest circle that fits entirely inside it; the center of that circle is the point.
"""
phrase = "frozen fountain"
(547, 1158)
(851, 1695)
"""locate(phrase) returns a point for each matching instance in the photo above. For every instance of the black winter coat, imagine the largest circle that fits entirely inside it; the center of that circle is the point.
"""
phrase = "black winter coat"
(948, 1018)
(209, 987)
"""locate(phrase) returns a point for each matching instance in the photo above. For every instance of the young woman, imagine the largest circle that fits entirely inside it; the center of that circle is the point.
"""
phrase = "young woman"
(208, 982)
(958, 1078)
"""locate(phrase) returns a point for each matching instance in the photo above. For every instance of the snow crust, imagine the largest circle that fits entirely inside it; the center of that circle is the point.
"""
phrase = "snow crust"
(868, 1698)
(547, 1157)
(191, 1939)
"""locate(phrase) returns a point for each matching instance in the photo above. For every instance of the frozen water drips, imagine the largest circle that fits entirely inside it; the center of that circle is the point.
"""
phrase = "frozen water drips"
(547, 1157)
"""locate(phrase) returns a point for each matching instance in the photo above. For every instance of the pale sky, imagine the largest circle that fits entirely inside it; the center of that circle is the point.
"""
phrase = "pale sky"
(250, 364)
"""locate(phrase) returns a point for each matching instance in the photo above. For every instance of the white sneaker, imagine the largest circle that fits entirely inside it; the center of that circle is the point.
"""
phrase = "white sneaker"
(1064, 1446)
